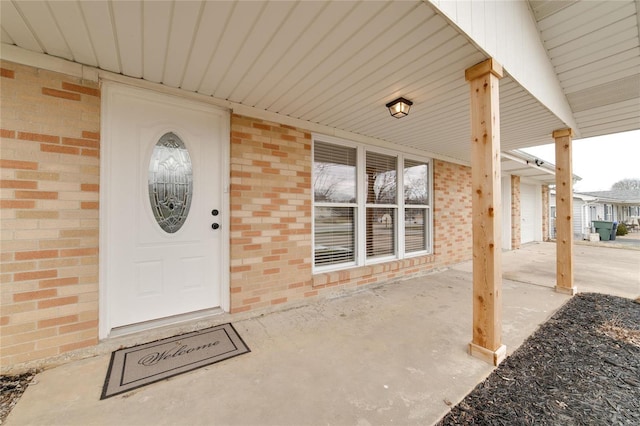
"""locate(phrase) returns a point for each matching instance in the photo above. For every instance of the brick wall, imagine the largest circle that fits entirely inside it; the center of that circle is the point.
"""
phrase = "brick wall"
(545, 213)
(50, 191)
(49, 208)
(271, 220)
(515, 213)
(453, 242)
(270, 214)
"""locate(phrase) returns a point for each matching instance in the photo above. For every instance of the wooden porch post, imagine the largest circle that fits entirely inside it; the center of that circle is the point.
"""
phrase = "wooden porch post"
(564, 212)
(486, 207)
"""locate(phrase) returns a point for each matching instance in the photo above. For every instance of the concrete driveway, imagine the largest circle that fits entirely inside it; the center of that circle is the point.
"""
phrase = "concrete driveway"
(393, 354)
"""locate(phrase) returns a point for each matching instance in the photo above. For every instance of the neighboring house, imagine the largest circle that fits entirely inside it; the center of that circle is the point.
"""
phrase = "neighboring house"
(620, 206)
(581, 219)
(615, 205)
(168, 161)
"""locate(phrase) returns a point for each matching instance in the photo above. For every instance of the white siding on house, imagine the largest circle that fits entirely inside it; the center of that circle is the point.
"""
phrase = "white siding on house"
(507, 31)
(584, 212)
(579, 218)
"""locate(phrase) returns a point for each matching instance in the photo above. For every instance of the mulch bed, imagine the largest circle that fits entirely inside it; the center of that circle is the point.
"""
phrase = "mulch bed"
(11, 389)
(582, 367)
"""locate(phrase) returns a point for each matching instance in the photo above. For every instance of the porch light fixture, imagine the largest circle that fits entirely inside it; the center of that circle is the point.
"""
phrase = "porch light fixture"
(400, 107)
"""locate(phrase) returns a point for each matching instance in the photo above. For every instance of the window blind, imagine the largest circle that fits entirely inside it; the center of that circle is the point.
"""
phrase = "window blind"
(334, 235)
(381, 178)
(334, 173)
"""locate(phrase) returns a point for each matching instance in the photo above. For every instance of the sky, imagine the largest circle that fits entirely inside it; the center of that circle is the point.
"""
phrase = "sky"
(600, 161)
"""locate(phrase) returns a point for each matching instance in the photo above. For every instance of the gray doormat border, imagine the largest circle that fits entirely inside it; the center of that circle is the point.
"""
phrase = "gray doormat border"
(115, 382)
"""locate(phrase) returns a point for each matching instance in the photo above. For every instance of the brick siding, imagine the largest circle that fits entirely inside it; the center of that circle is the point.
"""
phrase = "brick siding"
(271, 230)
(453, 241)
(515, 213)
(50, 174)
(270, 214)
(545, 213)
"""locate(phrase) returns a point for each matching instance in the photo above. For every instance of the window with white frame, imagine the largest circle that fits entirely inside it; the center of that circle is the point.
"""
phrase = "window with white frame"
(416, 205)
(335, 206)
(370, 205)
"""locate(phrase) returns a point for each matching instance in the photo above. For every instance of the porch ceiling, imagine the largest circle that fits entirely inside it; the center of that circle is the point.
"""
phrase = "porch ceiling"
(594, 47)
(527, 166)
(332, 63)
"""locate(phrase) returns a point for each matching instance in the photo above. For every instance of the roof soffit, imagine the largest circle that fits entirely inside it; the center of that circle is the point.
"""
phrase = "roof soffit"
(331, 64)
(595, 50)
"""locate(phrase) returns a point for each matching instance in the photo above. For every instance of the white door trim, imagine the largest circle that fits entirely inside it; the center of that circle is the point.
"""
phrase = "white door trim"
(108, 90)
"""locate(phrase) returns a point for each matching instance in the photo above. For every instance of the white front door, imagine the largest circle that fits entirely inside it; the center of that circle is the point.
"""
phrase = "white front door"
(162, 197)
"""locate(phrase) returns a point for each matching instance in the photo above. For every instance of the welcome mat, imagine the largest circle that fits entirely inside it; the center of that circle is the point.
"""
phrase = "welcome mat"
(131, 368)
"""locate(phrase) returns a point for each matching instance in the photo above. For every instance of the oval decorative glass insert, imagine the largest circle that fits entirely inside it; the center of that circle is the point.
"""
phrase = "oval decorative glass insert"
(170, 182)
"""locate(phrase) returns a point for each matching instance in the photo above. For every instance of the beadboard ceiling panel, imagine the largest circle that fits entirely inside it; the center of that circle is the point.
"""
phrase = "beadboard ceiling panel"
(316, 35)
(337, 63)
(127, 22)
(98, 19)
(338, 44)
(381, 63)
(594, 47)
(298, 20)
(184, 24)
(38, 17)
(5, 37)
(241, 24)
(70, 21)
(17, 28)
(156, 27)
(270, 19)
(542, 9)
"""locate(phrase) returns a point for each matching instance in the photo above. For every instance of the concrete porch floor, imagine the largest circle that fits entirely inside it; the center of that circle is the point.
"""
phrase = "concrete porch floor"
(394, 354)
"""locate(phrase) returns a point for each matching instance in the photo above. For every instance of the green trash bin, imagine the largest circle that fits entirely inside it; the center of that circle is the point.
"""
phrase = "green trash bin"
(603, 228)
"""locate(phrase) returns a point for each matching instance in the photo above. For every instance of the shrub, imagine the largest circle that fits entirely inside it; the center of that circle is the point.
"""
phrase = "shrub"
(622, 229)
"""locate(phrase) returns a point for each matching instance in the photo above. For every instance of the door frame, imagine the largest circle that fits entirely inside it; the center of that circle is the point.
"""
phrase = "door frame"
(109, 89)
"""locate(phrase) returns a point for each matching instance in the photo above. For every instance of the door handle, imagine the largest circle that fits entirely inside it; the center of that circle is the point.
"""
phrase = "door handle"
(215, 226)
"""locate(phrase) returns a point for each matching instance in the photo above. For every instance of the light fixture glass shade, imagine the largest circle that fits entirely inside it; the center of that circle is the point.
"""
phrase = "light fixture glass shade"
(399, 107)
